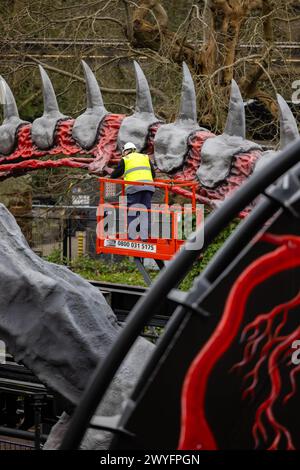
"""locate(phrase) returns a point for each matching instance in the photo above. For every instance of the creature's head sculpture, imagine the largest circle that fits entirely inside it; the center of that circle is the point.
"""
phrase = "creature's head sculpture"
(182, 150)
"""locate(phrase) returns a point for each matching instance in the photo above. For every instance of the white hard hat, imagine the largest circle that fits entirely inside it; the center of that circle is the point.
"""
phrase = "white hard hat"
(129, 146)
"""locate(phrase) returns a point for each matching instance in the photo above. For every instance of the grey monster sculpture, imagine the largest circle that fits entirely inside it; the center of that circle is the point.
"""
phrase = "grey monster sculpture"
(52, 320)
(182, 150)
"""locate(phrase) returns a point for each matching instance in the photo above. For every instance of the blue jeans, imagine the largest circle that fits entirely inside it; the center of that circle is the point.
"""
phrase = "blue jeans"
(142, 200)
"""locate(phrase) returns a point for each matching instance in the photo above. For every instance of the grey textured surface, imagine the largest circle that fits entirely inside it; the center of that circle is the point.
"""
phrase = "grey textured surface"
(288, 124)
(86, 126)
(11, 122)
(217, 152)
(171, 140)
(43, 128)
(113, 402)
(216, 157)
(265, 159)
(288, 133)
(236, 119)
(135, 128)
(54, 321)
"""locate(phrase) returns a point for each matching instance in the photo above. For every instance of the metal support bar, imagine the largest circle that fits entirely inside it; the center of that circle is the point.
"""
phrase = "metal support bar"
(143, 271)
(110, 424)
(182, 298)
(19, 434)
(160, 263)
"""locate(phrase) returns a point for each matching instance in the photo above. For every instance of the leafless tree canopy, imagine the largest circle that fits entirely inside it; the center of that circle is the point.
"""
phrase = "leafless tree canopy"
(219, 39)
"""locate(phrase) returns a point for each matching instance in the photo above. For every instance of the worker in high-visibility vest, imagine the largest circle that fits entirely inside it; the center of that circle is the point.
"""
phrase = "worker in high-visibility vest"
(136, 166)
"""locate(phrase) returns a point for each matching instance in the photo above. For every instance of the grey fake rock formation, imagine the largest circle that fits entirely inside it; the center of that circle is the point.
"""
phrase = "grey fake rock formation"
(85, 128)
(171, 140)
(217, 152)
(113, 402)
(43, 128)
(135, 128)
(57, 324)
(288, 133)
(11, 122)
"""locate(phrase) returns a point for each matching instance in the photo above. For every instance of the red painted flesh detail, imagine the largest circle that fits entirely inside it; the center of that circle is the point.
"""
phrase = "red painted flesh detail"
(149, 150)
(105, 152)
(105, 149)
(242, 167)
(195, 430)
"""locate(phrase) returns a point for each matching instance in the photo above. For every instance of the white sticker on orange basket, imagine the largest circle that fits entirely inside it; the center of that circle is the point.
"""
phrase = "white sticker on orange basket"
(139, 246)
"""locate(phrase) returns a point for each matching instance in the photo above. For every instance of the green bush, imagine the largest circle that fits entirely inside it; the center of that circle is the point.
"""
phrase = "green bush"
(125, 271)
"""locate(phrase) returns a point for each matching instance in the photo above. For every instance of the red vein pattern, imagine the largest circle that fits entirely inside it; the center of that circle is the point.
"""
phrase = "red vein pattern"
(195, 430)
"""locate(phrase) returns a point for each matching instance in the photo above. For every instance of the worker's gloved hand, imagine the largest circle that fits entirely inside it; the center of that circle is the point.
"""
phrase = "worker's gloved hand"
(107, 170)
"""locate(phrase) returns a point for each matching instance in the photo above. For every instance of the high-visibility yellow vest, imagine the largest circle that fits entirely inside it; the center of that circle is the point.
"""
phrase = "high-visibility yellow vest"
(137, 167)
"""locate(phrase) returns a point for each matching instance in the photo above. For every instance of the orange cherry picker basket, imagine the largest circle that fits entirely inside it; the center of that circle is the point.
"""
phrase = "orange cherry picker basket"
(165, 242)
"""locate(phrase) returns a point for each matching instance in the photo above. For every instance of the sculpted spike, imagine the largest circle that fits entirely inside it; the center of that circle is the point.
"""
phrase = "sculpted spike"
(11, 122)
(135, 128)
(43, 128)
(218, 152)
(236, 119)
(93, 92)
(143, 95)
(188, 106)
(10, 109)
(172, 140)
(50, 101)
(288, 133)
(85, 129)
(288, 126)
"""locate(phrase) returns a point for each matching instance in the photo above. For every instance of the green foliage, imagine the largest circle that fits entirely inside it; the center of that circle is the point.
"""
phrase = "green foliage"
(55, 257)
(208, 255)
(125, 271)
